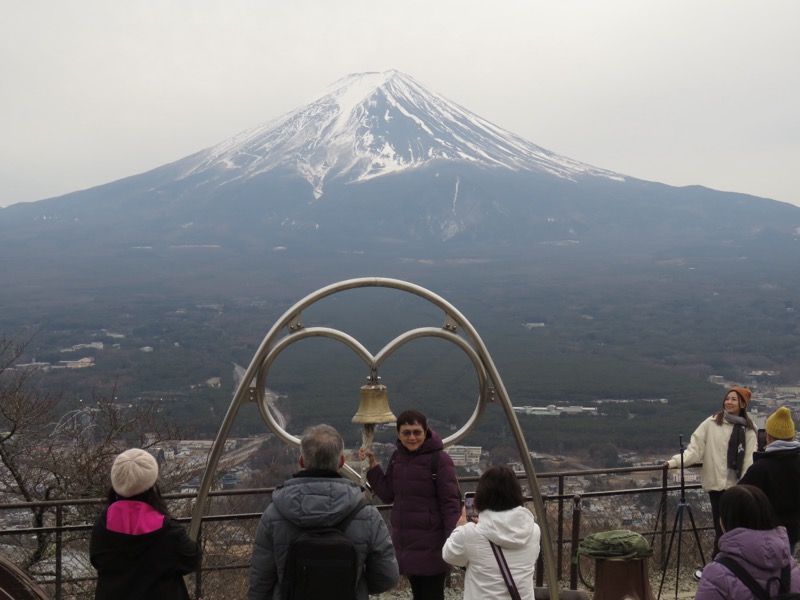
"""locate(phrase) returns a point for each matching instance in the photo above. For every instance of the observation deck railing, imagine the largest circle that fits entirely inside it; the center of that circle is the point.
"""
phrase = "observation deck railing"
(578, 502)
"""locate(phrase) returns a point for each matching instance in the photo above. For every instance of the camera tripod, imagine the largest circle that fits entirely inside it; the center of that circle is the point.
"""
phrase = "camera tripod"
(677, 527)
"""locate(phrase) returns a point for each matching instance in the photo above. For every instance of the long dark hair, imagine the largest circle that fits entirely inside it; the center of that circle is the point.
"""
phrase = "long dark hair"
(153, 497)
(498, 489)
(746, 506)
(719, 416)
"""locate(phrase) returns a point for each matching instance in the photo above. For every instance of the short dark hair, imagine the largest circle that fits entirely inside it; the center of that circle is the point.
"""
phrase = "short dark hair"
(321, 447)
(746, 506)
(498, 489)
(409, 417)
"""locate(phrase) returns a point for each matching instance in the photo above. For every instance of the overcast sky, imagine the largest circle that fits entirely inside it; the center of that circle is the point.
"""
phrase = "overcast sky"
(681, 92)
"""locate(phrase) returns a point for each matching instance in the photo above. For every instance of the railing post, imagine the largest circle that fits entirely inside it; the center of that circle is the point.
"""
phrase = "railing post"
(576, 536)
(539, 571)
(59, 548)
(560, 527)
(663, 511)
(198, 579)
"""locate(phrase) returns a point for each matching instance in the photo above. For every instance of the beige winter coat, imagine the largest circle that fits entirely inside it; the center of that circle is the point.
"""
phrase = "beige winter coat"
(709, 444)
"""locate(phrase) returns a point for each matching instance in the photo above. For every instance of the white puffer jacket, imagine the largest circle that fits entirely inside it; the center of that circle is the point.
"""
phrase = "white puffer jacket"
(709, 444)
(516, 532)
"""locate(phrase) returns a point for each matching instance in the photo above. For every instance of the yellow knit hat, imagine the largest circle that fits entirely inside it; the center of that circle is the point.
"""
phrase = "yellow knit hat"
(780, 424)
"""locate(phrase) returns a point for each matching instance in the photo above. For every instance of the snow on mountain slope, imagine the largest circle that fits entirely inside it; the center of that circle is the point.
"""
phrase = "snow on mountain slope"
(372, 124)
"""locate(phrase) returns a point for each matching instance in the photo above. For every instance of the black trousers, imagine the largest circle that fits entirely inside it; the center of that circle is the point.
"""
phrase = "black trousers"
(714, 498)
(427, 587)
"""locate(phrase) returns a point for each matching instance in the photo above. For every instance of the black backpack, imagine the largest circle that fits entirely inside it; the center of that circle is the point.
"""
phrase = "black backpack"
(785, 581)
(322, 563)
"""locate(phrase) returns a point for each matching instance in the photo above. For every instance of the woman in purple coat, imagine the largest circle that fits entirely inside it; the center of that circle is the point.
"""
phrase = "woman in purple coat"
(753, 539)
(421, 483)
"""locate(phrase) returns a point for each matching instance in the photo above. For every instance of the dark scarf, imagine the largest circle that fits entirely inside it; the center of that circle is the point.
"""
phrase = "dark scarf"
(736, 443)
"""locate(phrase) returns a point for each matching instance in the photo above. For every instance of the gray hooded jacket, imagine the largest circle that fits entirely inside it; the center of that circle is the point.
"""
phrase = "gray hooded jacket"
(313, 499)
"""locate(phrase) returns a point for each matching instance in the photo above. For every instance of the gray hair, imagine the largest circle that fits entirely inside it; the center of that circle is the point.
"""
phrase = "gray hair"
(321, 447)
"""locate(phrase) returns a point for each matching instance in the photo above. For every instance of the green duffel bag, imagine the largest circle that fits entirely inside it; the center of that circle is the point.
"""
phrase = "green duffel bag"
(618, 543)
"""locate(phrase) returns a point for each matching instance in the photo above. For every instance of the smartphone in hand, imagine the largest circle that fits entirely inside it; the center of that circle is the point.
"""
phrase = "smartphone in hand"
(469, 504)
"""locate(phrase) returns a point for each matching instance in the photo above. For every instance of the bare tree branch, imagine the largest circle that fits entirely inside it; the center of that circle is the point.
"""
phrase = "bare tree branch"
(49, 450)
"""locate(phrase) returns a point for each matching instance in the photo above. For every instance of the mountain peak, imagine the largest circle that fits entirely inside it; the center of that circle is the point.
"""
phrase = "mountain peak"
(370, 124)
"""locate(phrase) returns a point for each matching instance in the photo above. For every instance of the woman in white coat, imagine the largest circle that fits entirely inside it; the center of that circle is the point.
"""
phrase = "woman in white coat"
(504, 521)
(724, 442)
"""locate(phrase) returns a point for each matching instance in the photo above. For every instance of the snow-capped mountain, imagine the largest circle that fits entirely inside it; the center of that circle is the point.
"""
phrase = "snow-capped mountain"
(372, 124)
(382, 168)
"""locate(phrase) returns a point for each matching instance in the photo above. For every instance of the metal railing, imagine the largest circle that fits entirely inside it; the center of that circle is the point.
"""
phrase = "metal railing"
(577, 503)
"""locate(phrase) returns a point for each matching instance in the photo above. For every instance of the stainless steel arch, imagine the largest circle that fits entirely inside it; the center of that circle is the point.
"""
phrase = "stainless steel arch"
(491, 388)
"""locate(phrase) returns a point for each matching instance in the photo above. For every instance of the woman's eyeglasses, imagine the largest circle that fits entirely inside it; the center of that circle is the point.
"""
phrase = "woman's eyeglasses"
(414, 432)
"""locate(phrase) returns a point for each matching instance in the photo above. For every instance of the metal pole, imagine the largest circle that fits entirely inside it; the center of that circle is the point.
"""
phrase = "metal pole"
(560, 538)
(253, 383)
(576, 536)
(59, 551)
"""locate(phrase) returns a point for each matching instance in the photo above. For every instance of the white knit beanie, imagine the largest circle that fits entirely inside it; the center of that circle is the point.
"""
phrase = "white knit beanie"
(133, 472)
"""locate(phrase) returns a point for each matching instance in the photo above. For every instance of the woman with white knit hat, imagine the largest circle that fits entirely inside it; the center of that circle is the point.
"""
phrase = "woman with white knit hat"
(139, 551)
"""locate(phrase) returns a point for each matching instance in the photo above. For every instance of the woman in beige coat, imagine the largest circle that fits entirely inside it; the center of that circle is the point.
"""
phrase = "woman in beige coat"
(724, 443)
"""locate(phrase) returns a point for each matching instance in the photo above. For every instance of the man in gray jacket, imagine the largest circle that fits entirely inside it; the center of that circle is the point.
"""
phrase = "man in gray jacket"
(318, 496)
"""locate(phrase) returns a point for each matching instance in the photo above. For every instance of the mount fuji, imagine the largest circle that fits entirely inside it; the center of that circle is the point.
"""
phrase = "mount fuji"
(382, 168)
(577, 274)
(372, 124)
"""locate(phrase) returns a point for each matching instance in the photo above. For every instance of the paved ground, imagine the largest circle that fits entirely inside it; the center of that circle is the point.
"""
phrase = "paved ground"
(686, 590)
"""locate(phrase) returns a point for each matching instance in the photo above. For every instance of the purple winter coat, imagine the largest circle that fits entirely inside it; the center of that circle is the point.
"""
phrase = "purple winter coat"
(424, 511)
(761, 553)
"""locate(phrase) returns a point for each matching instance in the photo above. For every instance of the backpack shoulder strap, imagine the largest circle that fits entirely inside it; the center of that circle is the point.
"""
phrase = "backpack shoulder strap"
(435, 472)
(745, 577)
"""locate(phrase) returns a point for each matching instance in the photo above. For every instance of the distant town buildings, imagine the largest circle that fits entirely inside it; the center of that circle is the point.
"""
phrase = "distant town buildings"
(81, 363)
(767, 398)
(76, 347)
(553, 411)
(465, 456)
(688, 476)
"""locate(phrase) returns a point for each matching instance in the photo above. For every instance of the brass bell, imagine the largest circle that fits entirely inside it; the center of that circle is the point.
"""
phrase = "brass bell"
(374, 405)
